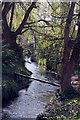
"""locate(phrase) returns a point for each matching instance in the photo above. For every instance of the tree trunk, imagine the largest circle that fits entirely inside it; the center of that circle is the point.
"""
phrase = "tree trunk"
(71, 65)
(10, 39)
(8, 36)
(66, 69)
(70, 57)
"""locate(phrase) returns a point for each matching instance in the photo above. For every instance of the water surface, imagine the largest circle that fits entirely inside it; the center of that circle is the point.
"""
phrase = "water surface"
(32, 101)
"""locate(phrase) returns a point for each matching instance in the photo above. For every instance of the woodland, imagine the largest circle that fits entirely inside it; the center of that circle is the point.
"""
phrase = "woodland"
(49, 33)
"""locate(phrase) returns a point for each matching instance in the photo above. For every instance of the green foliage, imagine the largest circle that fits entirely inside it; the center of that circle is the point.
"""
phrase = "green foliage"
(48, 50)
(12, 63)
(17, 17)
(46, 47)
(9, 90)
(51, 52)
(68, 110)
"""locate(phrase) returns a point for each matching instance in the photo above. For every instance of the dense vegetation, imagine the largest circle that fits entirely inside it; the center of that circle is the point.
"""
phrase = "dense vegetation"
(11, 85)
(50, 34)
(67, 110)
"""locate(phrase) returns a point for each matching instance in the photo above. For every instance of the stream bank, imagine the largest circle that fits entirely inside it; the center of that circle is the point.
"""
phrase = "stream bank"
(11, 63)
(69, 109)
(32, 101)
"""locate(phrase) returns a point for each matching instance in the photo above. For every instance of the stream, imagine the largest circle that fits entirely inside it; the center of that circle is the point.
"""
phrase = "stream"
(32, 102)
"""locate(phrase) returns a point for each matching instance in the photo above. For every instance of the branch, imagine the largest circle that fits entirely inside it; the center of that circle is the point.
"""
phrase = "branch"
(68, 22)
(24, 31)
(47, 35)
(78, 33)
(18, 31)
(47, 22)
(7, 7)
(12, 12)
(52, 6)
(51, 40)
(38, 31)
(37, 26)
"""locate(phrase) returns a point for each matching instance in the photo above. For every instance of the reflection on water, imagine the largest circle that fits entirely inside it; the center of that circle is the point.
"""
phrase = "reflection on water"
(32, 102)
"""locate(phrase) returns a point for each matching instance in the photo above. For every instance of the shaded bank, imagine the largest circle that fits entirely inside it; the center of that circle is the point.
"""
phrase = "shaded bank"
(32, 101)
(62, 110)
(11, 88)
(12, 63)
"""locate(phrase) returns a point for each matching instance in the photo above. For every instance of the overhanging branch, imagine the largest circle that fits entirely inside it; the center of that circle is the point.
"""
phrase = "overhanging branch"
(24, 31)
(12, 13)
(19, 30)
(47, 22)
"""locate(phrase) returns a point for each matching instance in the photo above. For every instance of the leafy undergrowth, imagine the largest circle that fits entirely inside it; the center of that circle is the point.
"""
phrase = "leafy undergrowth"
(69, 109)
(11, 63)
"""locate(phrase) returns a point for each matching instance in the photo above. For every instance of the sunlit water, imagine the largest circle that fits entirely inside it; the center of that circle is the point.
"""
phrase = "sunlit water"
(32, 101)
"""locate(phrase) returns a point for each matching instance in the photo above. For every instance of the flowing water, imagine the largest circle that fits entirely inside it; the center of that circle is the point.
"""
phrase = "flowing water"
(32, 101)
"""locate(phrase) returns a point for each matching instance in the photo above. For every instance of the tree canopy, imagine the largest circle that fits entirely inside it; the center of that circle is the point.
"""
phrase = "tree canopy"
(52, 28)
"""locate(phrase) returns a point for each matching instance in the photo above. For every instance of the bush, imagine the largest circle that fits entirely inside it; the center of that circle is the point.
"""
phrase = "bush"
(68, 110)
(9, 90)
(11, 63)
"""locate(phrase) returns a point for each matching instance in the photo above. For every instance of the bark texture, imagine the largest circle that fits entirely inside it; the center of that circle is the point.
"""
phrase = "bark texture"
(8, 36)
(71, 52)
